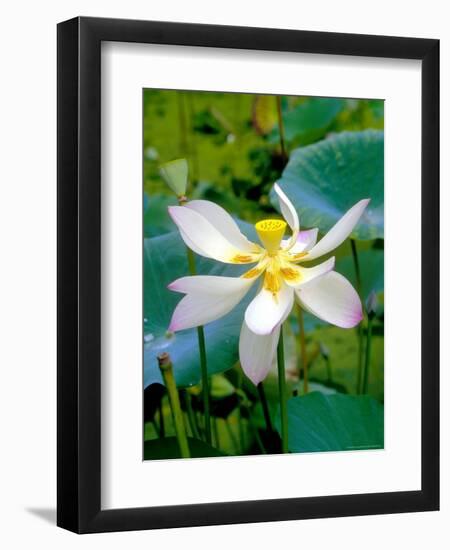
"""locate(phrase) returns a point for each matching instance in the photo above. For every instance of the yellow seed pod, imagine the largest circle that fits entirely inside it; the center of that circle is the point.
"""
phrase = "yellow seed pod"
(270, 233)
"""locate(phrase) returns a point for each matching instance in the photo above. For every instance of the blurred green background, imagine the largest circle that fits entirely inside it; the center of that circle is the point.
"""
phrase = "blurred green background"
(231, 141)
(233, 148)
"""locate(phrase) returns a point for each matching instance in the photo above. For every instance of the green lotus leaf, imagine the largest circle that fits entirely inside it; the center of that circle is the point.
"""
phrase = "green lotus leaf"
(309, 121)
(156, 217)
(319, 422)
(164, 261)
(327, 178)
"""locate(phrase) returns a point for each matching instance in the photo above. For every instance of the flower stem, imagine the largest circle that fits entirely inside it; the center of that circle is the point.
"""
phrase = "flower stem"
(265, 407)
(161, 420)
(191, 261)
(303, 359)
(367, 357)
(205, 383)
(282, 393)
(203, 363)
(329, 372)
(359, 330)
(281, 129)
(165, 365)
(191, 415)
(239, 415)
(156, 427)
(255, 431)
(231, 435)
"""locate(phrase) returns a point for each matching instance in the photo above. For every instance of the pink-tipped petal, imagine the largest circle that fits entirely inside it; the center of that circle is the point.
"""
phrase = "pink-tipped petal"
(256, 353)
(305, 241)
(333, 299)
(211, 285)
(339, 232)
(207, 299)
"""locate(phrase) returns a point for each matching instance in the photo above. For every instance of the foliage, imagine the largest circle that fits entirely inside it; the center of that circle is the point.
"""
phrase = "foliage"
(327, 178)
(165, 260)
(319, 422)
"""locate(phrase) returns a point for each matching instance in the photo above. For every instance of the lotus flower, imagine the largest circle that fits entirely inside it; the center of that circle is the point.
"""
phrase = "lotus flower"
(210, 231)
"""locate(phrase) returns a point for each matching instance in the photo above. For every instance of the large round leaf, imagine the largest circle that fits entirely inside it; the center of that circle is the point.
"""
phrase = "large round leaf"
(309, 120)
(164, 261)
(324, 180)
(319, 422)
(156, 216)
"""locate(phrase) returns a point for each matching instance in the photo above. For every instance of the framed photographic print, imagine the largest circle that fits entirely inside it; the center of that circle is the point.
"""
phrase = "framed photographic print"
(248, 236)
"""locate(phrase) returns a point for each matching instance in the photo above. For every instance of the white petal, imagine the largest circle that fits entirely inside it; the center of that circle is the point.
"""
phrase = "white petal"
(223, 222)
(211, 285)
(333, 299)
(339, 232)
(256, 352)
(205, 239)
(308, 274)
(287, 209)
(305, 241)
(191, 245)
(267, 310)
(209, 299)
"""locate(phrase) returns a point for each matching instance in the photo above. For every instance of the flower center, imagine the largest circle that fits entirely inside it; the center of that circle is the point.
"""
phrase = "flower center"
(270, 233)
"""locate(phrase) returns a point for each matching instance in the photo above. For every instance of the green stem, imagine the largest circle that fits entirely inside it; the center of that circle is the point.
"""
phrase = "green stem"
(255, 431)
(205, 383)
(359, 330)
(304, 357)
(239, 415)
(215, 431)
(191, 262)
(231, 435)
(203, 363)
(165, 366)
(328, 368)
(282, 393)
(199, 421)
(356, 264)
(265, 407)
(156, 427)
(161, 420)
(191, 415)
(281, 129)
(367, 357)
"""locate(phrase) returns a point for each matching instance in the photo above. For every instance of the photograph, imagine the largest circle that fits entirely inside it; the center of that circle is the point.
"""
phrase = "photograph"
(263, 261)
(206, 338)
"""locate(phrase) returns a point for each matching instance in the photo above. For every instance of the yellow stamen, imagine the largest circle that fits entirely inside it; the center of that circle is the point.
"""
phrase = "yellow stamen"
(254, 272)
(297, 257)
(270, 233)
(271, 282)
(291, 274)
(242, 259)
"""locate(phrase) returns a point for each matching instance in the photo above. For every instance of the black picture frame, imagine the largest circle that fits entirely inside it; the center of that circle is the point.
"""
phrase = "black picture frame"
(79, 276)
